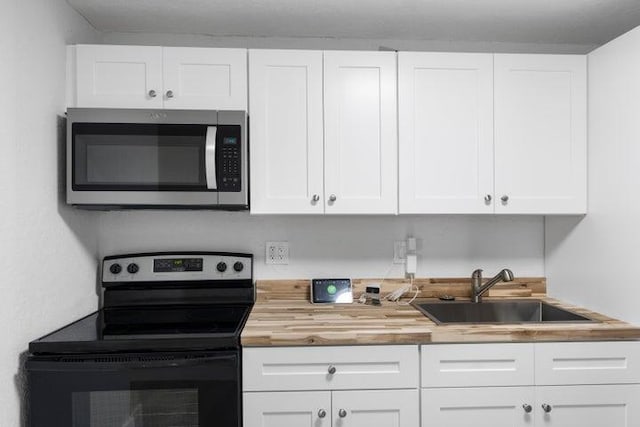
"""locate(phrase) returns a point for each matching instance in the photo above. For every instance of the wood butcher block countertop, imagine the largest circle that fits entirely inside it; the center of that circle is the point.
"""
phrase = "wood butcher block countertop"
(283, 316)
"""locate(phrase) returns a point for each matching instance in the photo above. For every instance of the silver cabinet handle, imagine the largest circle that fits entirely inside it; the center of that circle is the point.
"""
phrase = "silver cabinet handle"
(546, 408)
(315, 198)
(153, 93)
(331, 370)
(488, 198)
(322, 413)
(527, 408)
(333, 198)
(504, 198)
(342, 413)
(169, 94)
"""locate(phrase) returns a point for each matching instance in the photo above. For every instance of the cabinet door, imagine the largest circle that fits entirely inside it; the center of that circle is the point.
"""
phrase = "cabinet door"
(446, 132)
(286, 131)
(589, 406)
(478, 407)
(203, 78)
(386, 408)
(284, 409)
(540, 134)
(360, 132)
(118, 76)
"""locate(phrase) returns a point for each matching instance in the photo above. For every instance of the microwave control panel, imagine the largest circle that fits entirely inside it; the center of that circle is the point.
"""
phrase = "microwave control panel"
(229, 159)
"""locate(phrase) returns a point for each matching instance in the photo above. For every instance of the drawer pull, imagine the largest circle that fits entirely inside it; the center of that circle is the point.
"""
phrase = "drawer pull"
(322, 413)
(527, 408)
(342, 413)
(546, 408)
(331, 370)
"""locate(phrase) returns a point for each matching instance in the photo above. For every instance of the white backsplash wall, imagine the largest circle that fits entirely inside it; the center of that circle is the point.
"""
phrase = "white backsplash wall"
(325, 246)
(48, 249)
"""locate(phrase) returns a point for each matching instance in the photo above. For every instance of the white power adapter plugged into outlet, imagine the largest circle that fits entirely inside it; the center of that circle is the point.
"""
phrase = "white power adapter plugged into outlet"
(277, 253)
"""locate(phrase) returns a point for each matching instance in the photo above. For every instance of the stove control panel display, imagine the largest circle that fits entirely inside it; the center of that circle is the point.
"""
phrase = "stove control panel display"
(171, 267)
(176, 265)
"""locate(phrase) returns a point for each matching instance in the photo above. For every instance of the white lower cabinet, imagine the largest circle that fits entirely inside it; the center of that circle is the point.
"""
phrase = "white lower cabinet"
(287, 409)
(478, 407)
(588, 406)
(355, 408)
(557, 406)
(344, 386)
(581, 384)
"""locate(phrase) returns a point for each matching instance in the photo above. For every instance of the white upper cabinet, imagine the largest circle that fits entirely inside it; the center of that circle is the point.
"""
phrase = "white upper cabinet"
(360, 132)
(118, 76)
(540, 134)
(155, 77)
(286, 131)
(446, 132)
(202, 78)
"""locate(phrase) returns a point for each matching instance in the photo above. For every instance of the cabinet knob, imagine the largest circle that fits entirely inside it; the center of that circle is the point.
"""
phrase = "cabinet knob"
(331, 370)
(546, 408)
(504, 198)
(342, 413)
(153, 93)
(332, 198)
(527, 408)
(488, 198)
(169, 94)
(315, 198)
(322, 413)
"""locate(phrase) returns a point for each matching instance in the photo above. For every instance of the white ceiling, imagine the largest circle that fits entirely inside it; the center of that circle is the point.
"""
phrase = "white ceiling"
(586, 22)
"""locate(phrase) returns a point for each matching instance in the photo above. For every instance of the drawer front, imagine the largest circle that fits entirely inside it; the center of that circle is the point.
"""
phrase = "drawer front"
(588, 363)
(330, 368)
(478, 407)
(477, 365)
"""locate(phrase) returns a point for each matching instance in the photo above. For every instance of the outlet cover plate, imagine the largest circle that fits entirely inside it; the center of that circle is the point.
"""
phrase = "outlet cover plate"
(277, 253)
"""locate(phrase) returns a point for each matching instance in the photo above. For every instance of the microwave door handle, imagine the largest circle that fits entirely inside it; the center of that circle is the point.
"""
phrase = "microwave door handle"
(210, 158)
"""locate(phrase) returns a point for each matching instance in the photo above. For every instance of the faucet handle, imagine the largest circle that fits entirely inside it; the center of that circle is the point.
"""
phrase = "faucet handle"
(477, 273)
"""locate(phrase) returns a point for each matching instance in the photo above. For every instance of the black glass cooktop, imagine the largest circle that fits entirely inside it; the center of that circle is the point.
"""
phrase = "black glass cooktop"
(152, 328)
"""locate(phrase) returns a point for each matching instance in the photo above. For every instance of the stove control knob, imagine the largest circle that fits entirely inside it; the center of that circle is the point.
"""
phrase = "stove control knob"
(238, 266)
(115, 268)
(221, 267)
(133, 268)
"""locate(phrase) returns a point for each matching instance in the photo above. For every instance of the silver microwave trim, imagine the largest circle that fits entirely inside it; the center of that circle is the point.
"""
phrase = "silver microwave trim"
(207, 199)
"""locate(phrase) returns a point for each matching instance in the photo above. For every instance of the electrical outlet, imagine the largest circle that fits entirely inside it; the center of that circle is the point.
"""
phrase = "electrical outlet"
(399, 252)
(277, 253)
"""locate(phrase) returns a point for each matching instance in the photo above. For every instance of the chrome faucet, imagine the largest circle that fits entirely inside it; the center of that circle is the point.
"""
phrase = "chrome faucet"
(478, 289)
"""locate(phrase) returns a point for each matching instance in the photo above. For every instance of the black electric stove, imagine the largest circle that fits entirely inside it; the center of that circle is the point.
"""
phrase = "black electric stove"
(163, 350)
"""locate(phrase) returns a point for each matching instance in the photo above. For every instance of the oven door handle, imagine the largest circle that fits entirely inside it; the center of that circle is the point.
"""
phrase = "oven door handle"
(112, 363)
(210, 158)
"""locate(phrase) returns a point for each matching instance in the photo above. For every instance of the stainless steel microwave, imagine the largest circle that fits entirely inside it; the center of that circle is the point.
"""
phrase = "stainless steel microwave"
(120, 158)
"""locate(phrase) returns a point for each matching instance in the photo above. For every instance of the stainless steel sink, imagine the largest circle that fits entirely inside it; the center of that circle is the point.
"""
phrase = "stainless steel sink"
(499, 312)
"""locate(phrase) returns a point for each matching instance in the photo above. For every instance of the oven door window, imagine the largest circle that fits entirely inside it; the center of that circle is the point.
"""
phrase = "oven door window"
(139, 157)
(135, 391)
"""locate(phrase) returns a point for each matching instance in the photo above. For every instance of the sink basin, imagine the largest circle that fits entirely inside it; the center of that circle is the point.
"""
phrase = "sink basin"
(500, 312)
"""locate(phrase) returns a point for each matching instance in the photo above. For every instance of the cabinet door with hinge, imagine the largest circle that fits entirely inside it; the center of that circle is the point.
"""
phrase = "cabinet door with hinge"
(205, 78)
(360, 132)
(118, 76)
(287, 409)
(588, 406)
(285, 106)
(445, 121)
(380, 408)
(540, 134)
(478, 407)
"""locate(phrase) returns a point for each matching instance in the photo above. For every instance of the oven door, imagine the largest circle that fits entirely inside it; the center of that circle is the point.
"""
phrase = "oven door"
(119, 390)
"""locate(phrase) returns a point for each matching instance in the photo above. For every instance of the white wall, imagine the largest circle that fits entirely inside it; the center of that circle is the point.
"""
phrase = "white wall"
(48, 250)
(595, 261)
(359, 246)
